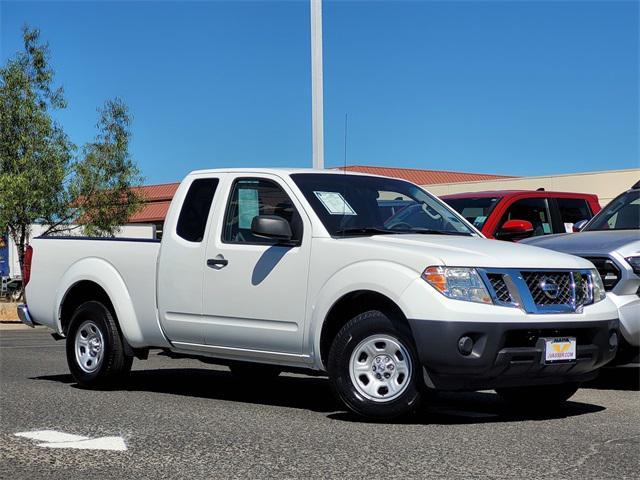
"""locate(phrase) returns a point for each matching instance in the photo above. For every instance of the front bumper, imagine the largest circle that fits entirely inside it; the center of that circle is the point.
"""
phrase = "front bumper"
(24, 316)
(629, 312)
(508, 354)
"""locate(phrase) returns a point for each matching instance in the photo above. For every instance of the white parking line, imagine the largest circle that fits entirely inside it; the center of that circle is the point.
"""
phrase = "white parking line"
(56, 439)
(51, 436)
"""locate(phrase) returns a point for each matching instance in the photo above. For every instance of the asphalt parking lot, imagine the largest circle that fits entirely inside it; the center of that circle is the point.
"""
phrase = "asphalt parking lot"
(186, 419)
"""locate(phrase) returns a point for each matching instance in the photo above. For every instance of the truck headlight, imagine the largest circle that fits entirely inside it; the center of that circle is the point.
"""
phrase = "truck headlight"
(599, 292)
(635, 264)
(458, 282)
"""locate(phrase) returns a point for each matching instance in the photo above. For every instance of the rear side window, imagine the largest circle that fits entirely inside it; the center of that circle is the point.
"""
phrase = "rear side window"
(195, 209)
(573, 210)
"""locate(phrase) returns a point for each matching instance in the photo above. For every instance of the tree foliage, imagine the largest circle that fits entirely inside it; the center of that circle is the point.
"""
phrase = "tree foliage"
(102, 188)
(43, 179)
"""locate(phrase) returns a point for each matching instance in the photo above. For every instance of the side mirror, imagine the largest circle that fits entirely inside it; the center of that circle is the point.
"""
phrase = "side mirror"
(271, 226)
(579, 225)
(514, 229)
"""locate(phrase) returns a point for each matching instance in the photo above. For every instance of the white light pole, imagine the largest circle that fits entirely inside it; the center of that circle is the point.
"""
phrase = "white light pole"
(317, 116)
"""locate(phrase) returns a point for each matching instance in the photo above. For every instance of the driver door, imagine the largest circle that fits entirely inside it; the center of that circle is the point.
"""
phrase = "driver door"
(254, 290)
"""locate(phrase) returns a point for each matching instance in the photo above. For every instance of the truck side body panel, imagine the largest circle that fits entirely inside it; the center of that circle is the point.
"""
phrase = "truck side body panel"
(124, 269)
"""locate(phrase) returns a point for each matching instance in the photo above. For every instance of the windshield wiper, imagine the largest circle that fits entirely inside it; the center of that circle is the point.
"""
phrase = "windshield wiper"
(363, 231)
(426, 231)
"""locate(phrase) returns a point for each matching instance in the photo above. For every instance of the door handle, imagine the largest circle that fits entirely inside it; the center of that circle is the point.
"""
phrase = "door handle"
(217, 262)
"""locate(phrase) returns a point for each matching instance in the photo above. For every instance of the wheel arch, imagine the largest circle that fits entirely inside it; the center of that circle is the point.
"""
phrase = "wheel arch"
(352, 304)
(96, 279)
(79, 293)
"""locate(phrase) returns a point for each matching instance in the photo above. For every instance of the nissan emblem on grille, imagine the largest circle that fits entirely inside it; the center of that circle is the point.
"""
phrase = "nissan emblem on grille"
(549, 287)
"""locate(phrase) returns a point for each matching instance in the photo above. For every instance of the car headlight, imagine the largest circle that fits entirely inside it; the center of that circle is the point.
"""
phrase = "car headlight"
(598, 287)
(635, 264)
(459, 283)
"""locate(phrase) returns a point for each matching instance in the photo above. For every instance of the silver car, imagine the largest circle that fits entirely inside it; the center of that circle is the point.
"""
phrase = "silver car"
(611, 241)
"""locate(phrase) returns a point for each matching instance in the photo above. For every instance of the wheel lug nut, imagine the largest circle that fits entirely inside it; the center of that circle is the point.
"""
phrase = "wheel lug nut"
(373, 368)
(378, 376)
(387, 375)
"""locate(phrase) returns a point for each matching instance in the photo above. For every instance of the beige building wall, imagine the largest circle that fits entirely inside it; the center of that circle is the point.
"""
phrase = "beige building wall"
(607, 185)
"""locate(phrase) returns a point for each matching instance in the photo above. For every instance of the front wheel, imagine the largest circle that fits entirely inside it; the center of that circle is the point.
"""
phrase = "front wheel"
(537, 398)
(95, 350)
(373, 367)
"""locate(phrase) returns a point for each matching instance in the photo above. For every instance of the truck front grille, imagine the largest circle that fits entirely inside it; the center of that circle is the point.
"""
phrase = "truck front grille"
(608, 270)
(550, 288)
(500, 287)
(541, 291)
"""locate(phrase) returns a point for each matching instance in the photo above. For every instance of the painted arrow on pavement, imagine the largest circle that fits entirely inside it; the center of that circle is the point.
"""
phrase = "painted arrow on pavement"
(55, 439)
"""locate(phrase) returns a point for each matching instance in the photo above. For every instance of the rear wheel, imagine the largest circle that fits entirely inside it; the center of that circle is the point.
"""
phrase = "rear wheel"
(95, 351)
(538, 398)
(373, 367)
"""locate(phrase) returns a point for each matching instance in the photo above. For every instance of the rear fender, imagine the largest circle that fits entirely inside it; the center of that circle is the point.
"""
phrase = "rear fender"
(102, 273)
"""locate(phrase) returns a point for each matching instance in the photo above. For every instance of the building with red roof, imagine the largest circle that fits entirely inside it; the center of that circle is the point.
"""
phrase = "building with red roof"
(158, 197)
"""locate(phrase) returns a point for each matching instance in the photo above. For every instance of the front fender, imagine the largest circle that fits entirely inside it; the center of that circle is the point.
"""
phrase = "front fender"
(386, 278)
(102, 273)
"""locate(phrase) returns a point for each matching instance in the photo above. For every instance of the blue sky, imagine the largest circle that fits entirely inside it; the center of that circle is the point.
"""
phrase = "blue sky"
(522, 88)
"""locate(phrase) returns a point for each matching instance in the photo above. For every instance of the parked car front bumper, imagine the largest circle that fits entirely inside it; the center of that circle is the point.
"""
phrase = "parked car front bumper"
(509, 354)
(629, 312)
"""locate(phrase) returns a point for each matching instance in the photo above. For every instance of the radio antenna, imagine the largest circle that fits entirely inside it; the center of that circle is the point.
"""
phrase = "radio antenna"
(346, 118)
(344, 185)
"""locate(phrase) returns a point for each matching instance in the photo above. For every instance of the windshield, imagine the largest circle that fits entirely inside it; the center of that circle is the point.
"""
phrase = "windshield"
(362, 205)
(474, 210)
(622, 213)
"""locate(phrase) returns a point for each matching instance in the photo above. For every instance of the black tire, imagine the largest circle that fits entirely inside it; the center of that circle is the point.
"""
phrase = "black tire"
(538, 398)
(254, 371)
(365, 326)
(114, 364)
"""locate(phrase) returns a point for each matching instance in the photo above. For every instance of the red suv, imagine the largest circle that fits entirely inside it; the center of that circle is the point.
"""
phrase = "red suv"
(517, 214)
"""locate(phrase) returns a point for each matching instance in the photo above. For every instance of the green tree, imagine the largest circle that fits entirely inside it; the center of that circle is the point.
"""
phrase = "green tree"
(35, 154)
(102, 188)
(41, 180)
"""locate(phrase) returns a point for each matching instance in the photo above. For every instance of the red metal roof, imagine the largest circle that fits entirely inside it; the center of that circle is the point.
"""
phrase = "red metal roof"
(155, 193)
(423, 177)
(158, 197)
(151, 212)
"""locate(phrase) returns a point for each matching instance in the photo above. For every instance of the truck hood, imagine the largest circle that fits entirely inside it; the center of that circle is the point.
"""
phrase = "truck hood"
(426, 250)
(587, 242)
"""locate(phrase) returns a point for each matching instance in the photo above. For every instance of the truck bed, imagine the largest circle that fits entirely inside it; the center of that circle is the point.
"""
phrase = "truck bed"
(121, 266)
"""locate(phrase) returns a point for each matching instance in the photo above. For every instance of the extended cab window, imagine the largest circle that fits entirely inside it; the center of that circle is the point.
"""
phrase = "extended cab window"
(195, 209)
(573, 210)
(534, 210)
(251, 197)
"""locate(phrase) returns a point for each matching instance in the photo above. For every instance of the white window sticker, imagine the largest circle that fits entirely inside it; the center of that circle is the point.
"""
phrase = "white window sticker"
(335, 203)
(568, 227)
(248, 206)
(479, 221)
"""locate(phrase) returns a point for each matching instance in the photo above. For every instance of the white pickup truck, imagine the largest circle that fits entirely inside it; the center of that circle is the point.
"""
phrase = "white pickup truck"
(267, 270)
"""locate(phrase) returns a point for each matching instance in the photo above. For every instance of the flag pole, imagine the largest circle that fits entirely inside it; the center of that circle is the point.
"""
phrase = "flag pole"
(317, 115)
